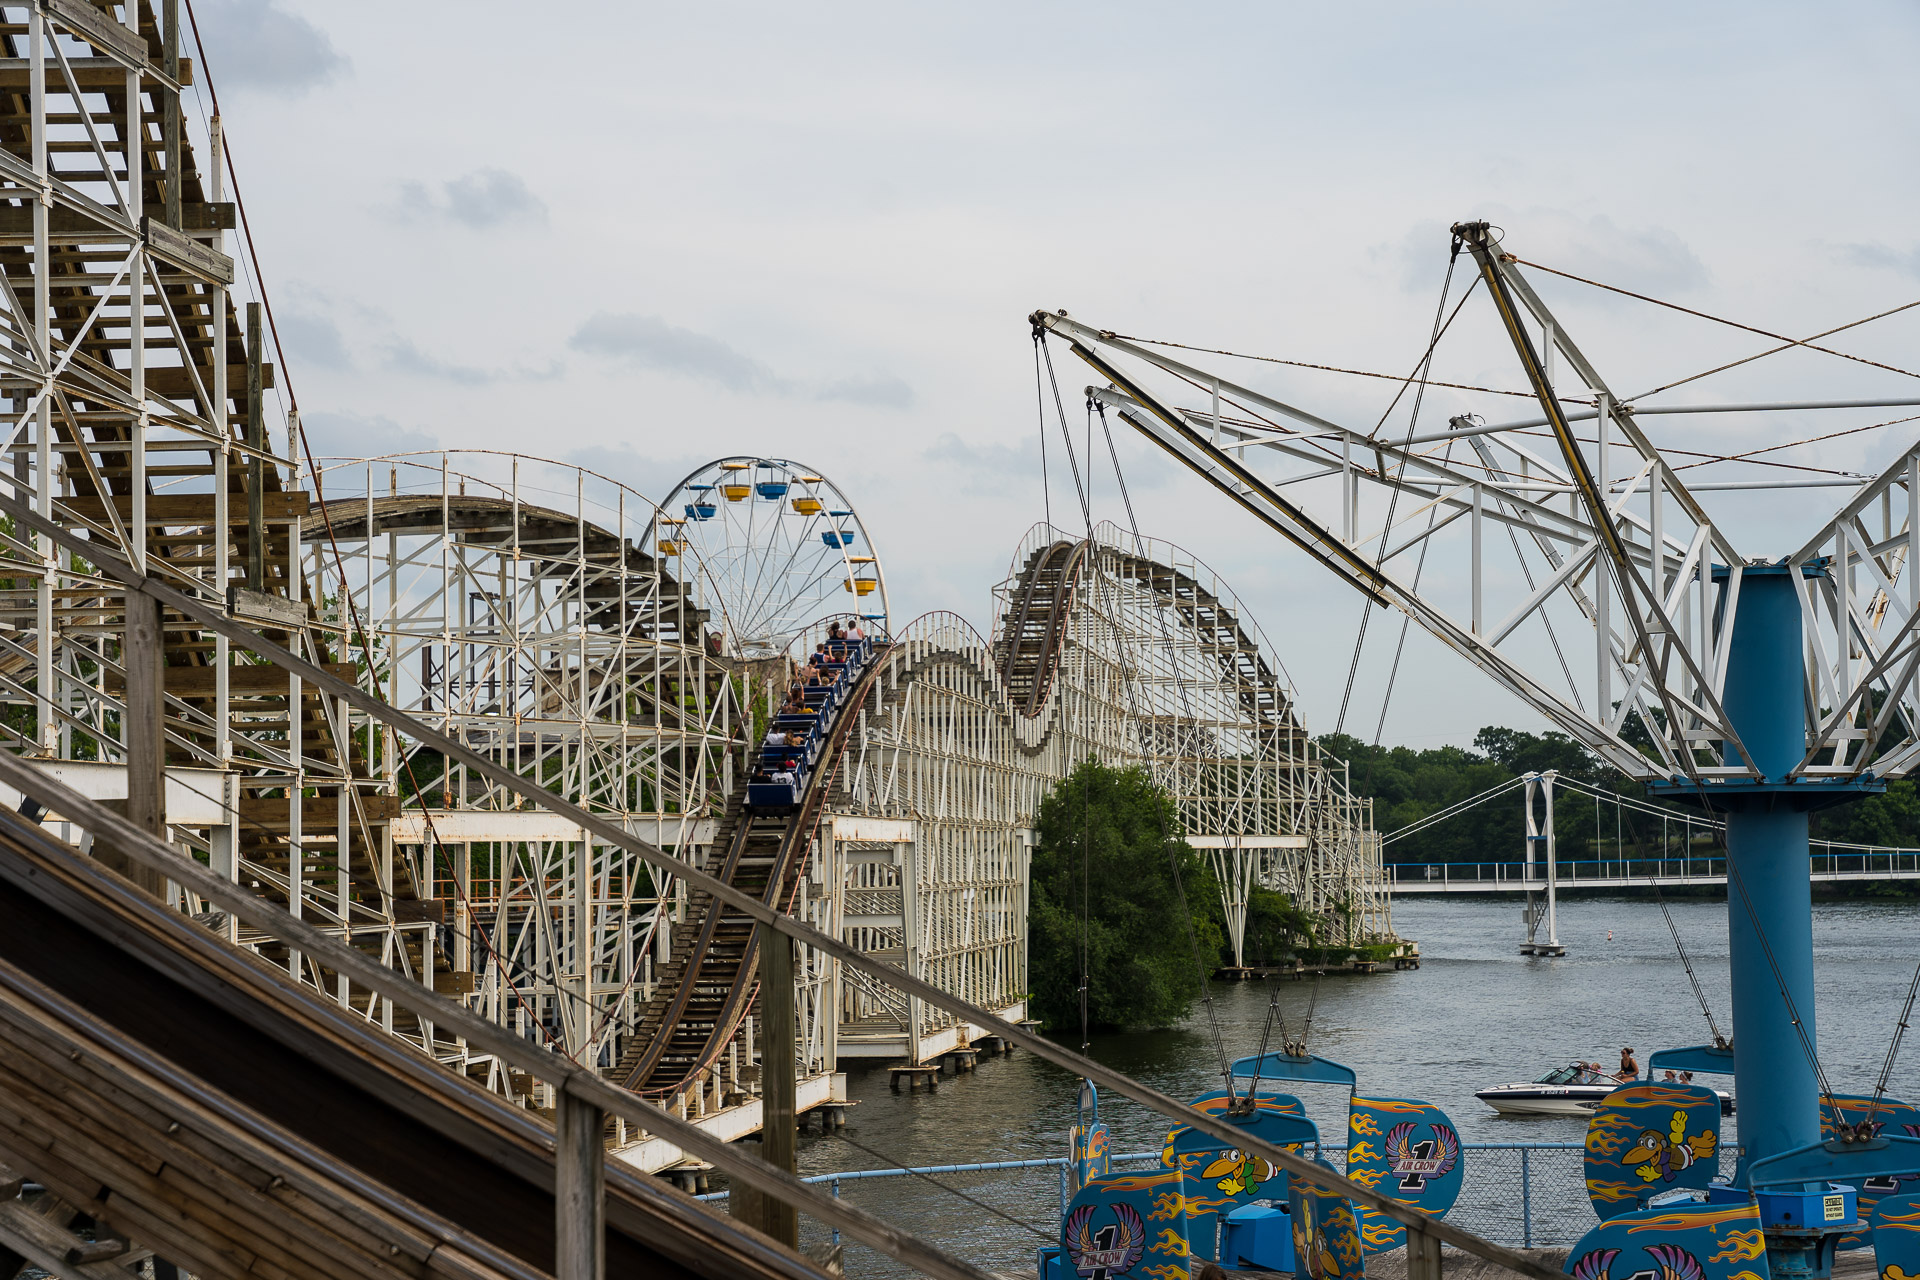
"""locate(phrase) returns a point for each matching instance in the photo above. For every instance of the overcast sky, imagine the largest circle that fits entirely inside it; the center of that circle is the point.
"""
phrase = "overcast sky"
(649, 235)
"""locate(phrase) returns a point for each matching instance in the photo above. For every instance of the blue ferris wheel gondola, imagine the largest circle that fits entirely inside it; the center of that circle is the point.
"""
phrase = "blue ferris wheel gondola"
(700, 510)
(773, 486)
(839, 537)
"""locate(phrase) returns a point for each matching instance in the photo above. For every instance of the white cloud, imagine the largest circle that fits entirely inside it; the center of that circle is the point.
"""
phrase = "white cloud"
(651, 344)
(820, 241)
(256, 44)
(481, 200)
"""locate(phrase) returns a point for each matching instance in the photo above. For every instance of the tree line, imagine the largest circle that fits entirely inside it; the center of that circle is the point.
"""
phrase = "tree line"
(1407, 785)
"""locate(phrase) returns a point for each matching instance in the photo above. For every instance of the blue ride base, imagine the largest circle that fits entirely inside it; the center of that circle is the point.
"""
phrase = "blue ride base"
(1770, 917)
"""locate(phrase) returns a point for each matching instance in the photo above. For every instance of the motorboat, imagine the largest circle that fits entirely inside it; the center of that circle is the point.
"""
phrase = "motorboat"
(1573, 1090)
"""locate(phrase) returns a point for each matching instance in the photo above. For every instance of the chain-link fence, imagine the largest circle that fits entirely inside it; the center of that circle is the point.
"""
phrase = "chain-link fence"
(1521, 1194)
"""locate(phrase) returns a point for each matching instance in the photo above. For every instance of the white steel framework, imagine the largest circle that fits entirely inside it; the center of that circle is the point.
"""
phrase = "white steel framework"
(1583, 575)
(1132, 653)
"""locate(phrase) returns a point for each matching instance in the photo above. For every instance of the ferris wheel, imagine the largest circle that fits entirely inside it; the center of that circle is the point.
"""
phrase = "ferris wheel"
(778, 544)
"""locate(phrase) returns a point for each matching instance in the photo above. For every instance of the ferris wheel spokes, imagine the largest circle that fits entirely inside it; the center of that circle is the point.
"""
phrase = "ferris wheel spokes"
(780, 544)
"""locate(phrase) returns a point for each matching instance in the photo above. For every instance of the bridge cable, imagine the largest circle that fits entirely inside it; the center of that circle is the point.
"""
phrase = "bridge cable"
(1421, 370)
(1082, 488)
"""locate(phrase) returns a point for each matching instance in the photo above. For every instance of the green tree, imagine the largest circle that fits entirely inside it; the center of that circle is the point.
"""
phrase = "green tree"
(1103, 879)
(1276, 928)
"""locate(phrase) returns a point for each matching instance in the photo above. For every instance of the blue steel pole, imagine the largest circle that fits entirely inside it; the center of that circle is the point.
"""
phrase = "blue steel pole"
(1770, 904)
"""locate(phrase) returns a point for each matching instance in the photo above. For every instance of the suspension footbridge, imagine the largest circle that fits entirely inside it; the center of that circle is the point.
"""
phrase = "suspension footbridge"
(1633, 844)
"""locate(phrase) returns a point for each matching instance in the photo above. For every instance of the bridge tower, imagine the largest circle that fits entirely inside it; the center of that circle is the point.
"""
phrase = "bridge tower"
(1539, 791)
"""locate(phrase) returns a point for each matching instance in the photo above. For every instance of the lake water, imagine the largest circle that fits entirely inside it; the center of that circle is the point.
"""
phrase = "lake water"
(1476, 1013)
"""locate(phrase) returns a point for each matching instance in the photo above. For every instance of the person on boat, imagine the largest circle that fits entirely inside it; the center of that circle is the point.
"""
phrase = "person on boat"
(1669, 1078)
(1629, 1068)
(1686, 1077)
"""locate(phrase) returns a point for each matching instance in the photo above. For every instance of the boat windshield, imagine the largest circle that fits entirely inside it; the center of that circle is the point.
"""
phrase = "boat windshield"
(1562, 1075)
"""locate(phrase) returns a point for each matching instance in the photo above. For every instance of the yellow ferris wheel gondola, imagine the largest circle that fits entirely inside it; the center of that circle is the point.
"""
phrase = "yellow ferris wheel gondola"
(764, 547)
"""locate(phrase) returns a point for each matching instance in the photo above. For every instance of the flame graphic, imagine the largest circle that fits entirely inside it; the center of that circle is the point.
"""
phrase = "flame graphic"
(1611, 1191)
(1361, 1151)
(1172, 1242)
(1378, 1232)
(1345, 1234)
(1656, 1095)
(1898, 1221)
(1701, 1218)
(1745, 1275)
(1172, 1204)
(1167, 1271)
(1400, 1105)
(1363, 1123)
(1742, 1246)
(1140, 1181)
(1609, 1132)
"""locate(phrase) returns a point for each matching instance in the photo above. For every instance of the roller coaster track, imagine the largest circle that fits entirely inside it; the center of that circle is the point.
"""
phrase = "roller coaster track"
(1039, 616)
(192, 1097)
(1033, 636)
(707, 987)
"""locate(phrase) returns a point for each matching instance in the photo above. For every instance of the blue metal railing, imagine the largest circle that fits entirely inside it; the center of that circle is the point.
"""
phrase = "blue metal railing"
(1571, 873)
